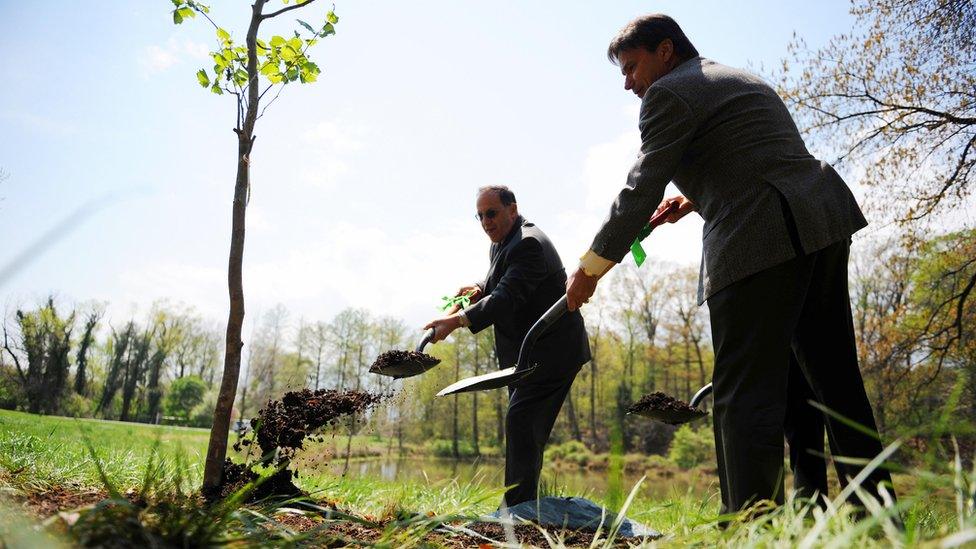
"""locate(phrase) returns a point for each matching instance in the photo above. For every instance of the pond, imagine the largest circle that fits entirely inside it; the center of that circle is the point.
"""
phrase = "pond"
(566, 480)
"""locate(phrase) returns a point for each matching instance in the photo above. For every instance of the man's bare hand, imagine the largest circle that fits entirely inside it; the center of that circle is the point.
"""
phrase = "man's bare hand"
(579, 289)
(685, 207)
(443, 327)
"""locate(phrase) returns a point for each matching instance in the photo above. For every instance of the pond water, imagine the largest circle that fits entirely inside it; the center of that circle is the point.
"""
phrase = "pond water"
(567, 480)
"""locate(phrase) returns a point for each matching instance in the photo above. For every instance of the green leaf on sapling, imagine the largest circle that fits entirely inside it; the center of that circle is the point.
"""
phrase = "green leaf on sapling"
(306, 25)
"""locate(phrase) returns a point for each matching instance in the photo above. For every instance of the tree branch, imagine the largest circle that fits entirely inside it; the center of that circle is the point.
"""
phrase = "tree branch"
(289, 8)
(6, 345)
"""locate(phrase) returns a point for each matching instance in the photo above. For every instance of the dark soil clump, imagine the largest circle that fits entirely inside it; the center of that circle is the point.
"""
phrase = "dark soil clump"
(398, 363)
(665, 408)
(660, 401)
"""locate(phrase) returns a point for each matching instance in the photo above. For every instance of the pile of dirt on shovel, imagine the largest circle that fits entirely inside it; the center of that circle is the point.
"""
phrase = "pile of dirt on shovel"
(391, 358)
(281, 429)
(661, 402)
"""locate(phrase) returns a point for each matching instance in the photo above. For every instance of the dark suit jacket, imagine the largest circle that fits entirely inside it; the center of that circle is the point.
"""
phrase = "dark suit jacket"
(525, 278)
(730, 145)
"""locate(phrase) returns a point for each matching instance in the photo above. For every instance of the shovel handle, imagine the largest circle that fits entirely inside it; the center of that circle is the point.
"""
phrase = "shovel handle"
(428, 335)
(700, 395)
(559, 308)
(547, 319)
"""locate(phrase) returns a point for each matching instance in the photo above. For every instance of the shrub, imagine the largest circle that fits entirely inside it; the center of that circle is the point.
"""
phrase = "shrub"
(11, 393)
(445, 448)
(572, 451)
(691, 447)
(75, 405)
(185, 394)
(658, 462)
(202, 414)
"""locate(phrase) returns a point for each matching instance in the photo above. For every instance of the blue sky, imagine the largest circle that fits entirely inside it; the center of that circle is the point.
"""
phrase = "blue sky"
(364, 182)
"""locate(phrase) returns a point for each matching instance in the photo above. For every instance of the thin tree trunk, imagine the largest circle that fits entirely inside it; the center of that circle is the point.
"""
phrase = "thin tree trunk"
(474, 407)
(454, 415)
(574, 427)
(352, 418)
(687, 370)
(217, 448)
(593, 373)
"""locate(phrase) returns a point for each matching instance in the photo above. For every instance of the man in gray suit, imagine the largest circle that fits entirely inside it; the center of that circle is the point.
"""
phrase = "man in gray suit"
(776, 241)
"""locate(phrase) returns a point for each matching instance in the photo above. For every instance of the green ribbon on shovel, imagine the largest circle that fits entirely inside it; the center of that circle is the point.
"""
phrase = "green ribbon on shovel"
(636, 249)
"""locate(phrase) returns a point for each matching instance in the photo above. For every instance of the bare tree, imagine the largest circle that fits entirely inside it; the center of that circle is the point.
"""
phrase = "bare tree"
(896, 98)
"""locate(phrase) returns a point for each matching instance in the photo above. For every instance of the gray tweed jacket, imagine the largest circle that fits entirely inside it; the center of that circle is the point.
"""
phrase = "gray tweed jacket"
(730, 145)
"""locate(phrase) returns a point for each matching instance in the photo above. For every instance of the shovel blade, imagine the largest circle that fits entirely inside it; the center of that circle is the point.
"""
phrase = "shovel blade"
(484, 382)
(399, 364)
(409, 368)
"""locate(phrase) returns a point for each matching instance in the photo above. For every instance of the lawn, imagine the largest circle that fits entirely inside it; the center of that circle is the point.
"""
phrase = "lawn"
(39, 453)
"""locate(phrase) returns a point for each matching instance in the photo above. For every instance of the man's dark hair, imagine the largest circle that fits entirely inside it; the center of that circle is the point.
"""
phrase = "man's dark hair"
(648, 32)
(504, 193)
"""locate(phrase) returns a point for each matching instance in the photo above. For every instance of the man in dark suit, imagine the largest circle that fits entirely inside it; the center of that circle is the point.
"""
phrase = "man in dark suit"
(525, 278)
(775, 247)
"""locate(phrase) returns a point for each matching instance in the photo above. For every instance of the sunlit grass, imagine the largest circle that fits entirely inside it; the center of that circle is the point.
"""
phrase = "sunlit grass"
(935, 503)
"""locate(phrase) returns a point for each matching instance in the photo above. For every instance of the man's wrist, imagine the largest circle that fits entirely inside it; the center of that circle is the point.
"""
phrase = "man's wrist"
(463, 321)
(591, 264)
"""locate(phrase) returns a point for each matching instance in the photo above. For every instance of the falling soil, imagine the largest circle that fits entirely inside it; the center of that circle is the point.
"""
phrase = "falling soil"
(665, 408)
(397, 363)
(281, 429)
(284, 424)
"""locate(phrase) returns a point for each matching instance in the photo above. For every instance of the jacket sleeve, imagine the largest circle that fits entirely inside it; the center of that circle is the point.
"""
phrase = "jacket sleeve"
(667, 126)
(526, 269)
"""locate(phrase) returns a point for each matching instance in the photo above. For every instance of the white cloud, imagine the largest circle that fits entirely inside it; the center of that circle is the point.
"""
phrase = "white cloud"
(335, 136)
(155, 58)
(605, 168)
(398, 274)
(326, 148)
(203, 287)
(604, 173)
(41, 124)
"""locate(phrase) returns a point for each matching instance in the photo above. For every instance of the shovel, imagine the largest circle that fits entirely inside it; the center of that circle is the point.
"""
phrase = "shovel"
(508, 376)
(679, 412)
(399, 364)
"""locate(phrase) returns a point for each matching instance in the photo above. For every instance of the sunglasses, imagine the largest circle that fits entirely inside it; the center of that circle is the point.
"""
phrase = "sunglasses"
(488, 214)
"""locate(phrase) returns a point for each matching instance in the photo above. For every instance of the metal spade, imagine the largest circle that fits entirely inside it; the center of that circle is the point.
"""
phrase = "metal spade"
(678, 416)
(399, 364)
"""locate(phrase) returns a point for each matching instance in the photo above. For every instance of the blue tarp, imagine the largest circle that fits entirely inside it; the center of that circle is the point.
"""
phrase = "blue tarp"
(573, 514)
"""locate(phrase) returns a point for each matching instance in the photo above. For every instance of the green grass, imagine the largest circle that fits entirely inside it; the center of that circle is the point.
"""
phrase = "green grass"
(40, 451)
(37, 452)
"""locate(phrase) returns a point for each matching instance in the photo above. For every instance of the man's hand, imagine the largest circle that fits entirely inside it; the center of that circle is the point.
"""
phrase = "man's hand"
(443, 327)
(473, 293)
(579, 289)
(685, 207)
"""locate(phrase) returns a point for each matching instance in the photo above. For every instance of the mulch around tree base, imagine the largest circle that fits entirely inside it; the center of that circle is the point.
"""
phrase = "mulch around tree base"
(56, 499)
(331, 533)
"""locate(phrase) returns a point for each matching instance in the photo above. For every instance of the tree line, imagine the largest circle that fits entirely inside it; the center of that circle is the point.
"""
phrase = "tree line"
(646, 334)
